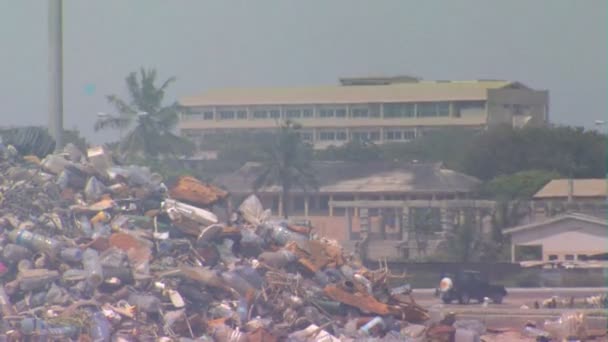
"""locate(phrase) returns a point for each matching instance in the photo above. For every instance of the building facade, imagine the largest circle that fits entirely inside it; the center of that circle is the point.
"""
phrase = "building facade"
(564, 238)
(379, 110)
(405, 209)
(585, 196)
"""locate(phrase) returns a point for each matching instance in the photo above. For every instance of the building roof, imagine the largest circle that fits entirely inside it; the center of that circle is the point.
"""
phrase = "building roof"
(558, 188)
(422, 91)
(349, 177)
(555, 219)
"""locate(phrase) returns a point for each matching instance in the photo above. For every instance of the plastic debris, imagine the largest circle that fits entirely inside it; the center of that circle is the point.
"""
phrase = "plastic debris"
(94, 250)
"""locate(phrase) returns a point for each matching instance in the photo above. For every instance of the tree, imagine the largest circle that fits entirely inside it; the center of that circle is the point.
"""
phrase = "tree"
(355, 150)
(152, 134)
(287, 161)
(569, 151)
(520, 185)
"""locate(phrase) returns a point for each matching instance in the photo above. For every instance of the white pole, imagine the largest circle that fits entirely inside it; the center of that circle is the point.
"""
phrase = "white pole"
(55, 59)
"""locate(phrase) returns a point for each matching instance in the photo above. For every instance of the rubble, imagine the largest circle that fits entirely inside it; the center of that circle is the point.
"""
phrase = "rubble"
(94, 250)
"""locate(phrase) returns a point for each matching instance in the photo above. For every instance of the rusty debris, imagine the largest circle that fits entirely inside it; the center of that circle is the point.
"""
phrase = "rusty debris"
(191, 190)
(94, 251)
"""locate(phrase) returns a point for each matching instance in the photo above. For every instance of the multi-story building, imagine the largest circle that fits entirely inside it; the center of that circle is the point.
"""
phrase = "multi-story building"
(373, 109)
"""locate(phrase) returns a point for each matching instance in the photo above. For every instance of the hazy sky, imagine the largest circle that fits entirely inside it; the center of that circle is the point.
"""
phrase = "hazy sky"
(560, 45)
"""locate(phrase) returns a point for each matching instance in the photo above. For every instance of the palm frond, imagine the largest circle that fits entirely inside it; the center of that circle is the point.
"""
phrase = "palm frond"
(166, 84)
(111, 123)
(167, 117)
(121, 106)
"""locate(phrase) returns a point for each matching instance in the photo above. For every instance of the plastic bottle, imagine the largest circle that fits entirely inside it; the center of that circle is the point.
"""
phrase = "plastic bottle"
(277, 259)
(36, 242)
(100, 328)
(145, 303)
(14, 253)
(5, 304)
(242, 310)
(71, 254)
(92, 266)
(24, 265)
(236, 282)
(85, 226)
(36, 279)
(39, 327)
(282, 235)
(376, 321)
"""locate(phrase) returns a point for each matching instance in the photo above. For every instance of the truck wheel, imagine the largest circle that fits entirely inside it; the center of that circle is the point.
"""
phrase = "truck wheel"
(464, 298)
(497, 299)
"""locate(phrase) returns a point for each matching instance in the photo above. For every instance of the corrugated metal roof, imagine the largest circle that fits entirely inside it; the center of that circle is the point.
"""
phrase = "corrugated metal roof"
(558, 188)
(570, 216)
(350, 177)
(424, 91)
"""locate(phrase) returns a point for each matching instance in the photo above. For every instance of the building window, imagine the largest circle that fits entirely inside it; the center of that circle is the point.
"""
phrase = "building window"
(340, 113)
(260, 114)
(399, 110)
(360, 112)
(569, 257)
(409, 135)
(275, 114)
(208, 115)
(326, 113)
(366, 136)
(226, 115)
(433, 109)
(393, 135)
(552, 257)
(341, 135)
(427, 109)
(443, 109)
(332, 112)
(326, 136)
(306, 136)
(241, 114)
(396, 135)
(293, 114)
(307, 113)
(359, 136)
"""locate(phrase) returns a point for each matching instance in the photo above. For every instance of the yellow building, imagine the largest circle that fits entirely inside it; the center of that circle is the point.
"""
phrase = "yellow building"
(373, 109)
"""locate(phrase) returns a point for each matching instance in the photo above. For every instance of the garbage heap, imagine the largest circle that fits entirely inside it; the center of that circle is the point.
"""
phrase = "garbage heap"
(92, 250)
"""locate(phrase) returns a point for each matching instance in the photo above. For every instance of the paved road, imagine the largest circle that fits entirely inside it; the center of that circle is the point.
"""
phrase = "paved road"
(520, 296)
(509, 314)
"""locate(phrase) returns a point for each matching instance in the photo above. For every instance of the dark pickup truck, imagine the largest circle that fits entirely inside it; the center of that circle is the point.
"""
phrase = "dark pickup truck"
(466, 285)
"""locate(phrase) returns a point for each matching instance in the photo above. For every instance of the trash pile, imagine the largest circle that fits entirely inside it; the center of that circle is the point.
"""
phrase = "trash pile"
(92, 250)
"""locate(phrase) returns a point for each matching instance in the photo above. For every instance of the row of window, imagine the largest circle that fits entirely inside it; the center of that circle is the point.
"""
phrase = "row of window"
(391, 110)
(374, 135)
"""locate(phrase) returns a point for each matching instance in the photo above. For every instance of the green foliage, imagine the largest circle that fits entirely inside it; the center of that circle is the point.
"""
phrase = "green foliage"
(73, 136)
(152, 135)
(568, 151)
(287, 162)
(520, 185)
(241, 146)
(29, 140)
(358, 151)
(447, 146)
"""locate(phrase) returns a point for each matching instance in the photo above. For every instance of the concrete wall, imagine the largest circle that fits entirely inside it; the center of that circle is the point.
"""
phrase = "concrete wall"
(565, 237)
(502, 105)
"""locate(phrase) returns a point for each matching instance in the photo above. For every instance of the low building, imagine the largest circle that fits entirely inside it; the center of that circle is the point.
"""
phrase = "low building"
(385, 201)
(586, 196)
(380, 109)
(565, 237)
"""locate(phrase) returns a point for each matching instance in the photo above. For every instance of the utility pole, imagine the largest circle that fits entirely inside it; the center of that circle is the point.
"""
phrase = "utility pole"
(55, 104)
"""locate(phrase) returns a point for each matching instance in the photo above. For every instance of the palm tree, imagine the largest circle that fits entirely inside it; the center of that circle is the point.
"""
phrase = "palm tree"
(152, 134)
(287, 162)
